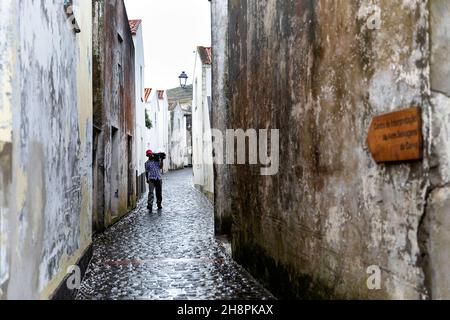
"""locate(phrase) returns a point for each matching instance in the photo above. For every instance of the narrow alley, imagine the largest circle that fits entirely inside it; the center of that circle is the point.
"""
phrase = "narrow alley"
(166, 255)
(315, 134)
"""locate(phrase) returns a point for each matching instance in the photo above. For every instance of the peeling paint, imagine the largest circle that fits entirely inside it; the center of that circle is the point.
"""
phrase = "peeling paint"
(7, 61)
(50, 200)
(114, 108)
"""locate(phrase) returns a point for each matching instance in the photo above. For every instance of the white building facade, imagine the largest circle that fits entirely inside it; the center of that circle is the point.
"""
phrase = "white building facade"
(180, 127)
(141, 131)
(157, 108)
(152, 115)
(201, 123)
(177, 138)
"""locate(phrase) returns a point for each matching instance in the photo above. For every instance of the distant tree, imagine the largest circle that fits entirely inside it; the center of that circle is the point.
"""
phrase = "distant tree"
(148, 121)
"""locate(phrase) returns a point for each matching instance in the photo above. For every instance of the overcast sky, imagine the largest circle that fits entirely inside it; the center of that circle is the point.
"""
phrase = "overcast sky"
(172, 31)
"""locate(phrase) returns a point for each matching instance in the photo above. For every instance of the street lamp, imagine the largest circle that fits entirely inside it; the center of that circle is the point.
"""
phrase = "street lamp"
(183, 79)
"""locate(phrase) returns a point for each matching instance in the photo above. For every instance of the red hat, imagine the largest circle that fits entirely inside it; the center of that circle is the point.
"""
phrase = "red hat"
(149, 152)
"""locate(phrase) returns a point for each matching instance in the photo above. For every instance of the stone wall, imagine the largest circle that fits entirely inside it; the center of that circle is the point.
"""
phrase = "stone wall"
(220, 112)
(435, 227)
(319, 71)
(46, 114)
(114, 113)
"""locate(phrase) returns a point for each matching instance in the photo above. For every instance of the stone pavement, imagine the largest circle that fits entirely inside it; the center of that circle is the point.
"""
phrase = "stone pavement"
(168, 255)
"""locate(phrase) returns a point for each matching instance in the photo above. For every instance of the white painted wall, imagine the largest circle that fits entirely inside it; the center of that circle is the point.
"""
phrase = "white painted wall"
(158, 110)
(177, 138)
(197, 124)
(152, 134)
(46, 76)
(141, 134)
(163, 107)
(201, 125)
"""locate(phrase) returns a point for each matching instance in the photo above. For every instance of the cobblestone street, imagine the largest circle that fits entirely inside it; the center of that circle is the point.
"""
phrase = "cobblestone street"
(167, 255)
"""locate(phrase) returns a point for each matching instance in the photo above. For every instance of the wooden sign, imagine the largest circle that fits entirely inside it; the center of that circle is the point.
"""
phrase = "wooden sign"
(397, 136)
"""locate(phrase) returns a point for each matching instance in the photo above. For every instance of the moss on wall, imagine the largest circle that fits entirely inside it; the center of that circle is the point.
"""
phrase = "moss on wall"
(319, 72)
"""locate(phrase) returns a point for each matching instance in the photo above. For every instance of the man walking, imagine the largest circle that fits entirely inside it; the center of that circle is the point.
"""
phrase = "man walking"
(153, 172)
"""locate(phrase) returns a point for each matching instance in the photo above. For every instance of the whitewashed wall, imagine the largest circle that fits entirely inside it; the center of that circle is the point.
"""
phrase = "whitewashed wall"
(177, 138)
(48, 109)
(141, 137)
(158, 110)
(164, 128)
(152, 111)
(201, 124)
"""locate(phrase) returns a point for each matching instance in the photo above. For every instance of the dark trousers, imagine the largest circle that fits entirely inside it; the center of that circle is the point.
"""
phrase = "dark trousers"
(155, 185)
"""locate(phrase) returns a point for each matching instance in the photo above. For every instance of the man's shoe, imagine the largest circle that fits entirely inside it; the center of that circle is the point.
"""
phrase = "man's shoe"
(149, 208)
(160, 208)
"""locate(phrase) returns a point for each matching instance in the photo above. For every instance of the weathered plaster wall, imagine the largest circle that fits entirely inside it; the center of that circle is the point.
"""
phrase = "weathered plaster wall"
(435, 229)
(319, 72)
(220, 113)
(7, 56)
(48, 88)
(114, 112)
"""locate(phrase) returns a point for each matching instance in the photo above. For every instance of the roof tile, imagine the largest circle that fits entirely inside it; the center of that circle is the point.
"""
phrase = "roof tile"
(205, 54)
(147, 93)
(134, 26)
